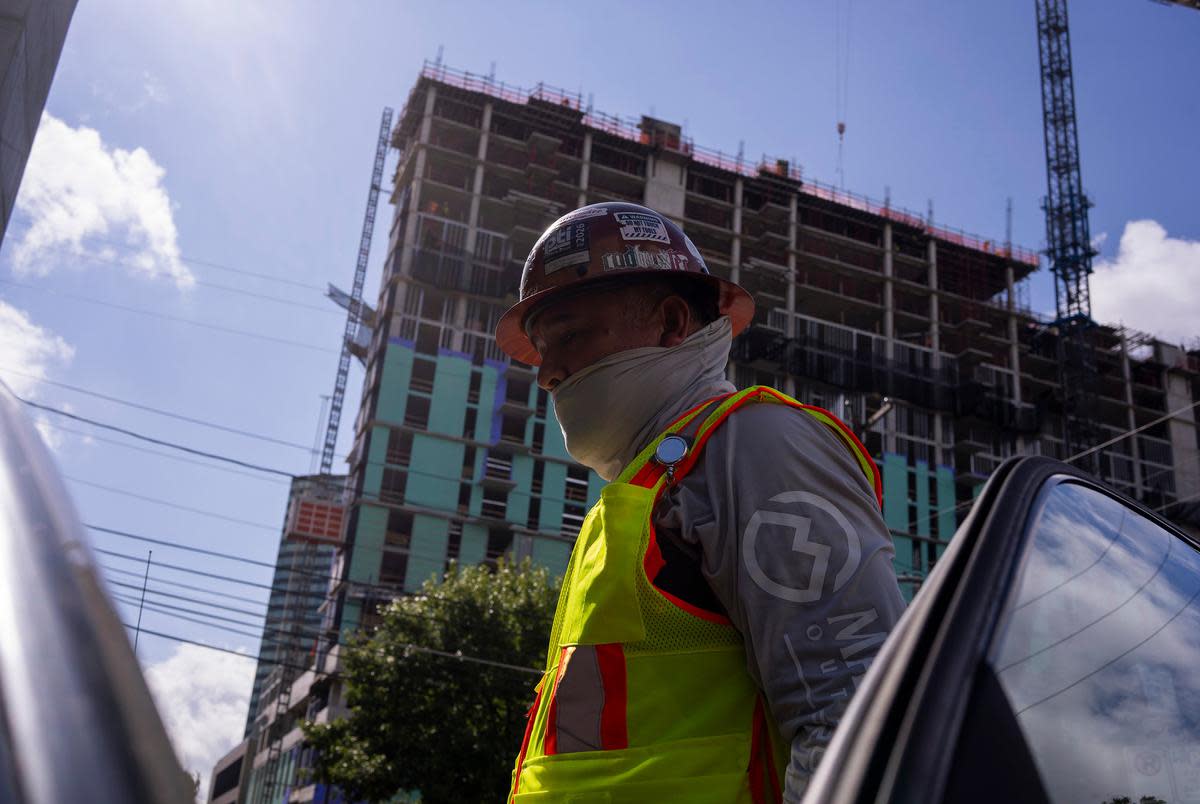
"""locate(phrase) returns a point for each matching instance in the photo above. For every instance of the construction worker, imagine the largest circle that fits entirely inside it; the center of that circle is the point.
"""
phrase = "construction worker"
(730, 587)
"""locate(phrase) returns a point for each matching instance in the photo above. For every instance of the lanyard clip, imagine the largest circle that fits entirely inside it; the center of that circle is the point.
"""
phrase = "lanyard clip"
(670, 451)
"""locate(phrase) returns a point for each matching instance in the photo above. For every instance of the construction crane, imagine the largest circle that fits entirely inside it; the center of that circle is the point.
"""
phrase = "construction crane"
(292, 627)
(354, 311)
(1068, 237)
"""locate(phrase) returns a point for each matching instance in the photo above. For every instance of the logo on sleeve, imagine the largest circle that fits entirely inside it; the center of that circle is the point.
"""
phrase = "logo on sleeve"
(802, 580)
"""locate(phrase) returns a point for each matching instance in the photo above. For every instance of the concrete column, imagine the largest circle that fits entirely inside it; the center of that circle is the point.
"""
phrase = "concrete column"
(1131, 417)
(460, 301)
(935, 333)
(889, 290)
(585, 169)
(1181, 429)
(789, 382)
(1014, 352)
(935, 343)
(735, 253)
(414, 203)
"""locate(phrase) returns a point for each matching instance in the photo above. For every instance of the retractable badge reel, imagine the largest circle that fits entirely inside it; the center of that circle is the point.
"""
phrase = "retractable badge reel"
(670, 451)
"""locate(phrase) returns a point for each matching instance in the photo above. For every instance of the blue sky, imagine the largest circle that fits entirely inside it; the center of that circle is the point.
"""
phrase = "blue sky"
(256, 125)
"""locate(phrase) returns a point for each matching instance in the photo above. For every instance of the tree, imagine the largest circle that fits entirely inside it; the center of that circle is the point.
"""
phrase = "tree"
(447, 727)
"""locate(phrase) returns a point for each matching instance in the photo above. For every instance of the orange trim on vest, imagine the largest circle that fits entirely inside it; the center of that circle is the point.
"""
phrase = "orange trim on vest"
(614, 727)
(529, 718)
(550, 744)
(648, 475)
(875, 479)
(762, 769)
(653, 562)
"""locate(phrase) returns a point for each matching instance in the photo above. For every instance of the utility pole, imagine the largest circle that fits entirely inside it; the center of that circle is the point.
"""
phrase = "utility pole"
(137, 632)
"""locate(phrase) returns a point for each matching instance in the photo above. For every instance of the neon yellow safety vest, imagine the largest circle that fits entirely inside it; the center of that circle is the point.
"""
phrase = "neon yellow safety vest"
(646, 698)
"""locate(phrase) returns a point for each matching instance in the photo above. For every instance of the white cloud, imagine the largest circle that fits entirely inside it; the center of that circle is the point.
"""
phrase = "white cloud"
(76, 187)
(202, 696)
(33, 351)
(1153, 284)
(28, 348)
(53, 438)
(153, 89)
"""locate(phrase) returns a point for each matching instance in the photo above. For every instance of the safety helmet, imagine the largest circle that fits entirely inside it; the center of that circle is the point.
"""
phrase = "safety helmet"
(604, 242)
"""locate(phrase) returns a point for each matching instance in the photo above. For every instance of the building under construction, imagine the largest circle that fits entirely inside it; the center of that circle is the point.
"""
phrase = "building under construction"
(914, 333)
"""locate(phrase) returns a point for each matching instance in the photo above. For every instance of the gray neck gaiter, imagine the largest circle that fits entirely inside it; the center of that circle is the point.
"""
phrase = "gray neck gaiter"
(610, 410)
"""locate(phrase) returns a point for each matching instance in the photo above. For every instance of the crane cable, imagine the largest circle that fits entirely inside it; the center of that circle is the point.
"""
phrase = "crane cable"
(841, 79)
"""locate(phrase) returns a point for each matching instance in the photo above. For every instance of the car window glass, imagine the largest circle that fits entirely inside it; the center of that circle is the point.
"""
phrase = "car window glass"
(1099, 652)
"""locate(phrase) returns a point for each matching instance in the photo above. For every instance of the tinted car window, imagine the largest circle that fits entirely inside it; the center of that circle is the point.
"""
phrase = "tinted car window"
(1098, 652)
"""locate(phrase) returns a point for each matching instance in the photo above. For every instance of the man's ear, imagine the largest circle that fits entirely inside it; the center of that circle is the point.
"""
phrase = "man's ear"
(676, 320)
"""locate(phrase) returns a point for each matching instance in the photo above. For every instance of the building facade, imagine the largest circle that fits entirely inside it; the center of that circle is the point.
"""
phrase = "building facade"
(31, 40)
(913, 333)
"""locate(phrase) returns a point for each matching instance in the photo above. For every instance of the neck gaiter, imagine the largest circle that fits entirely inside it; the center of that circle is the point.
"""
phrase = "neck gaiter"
(607, 409)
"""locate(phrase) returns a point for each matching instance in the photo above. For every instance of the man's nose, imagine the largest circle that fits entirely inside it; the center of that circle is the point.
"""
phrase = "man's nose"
(550, 373)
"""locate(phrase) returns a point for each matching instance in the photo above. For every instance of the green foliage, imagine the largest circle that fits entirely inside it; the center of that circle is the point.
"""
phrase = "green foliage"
(445, 727)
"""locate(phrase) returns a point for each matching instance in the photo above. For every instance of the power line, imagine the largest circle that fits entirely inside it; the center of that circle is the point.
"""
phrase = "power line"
(158, 411)
(176, 506)
(193, 261)
(190, 570)
(167, 455)
(189, 599)
(181, 585)
(168, 317)
(159, 441)
(1119, 437)
(209, 615)
(386, 591)
(152, 607)
(1127, 433)
(278, 472)
(457, 655)
(204, 283)
(383, 589)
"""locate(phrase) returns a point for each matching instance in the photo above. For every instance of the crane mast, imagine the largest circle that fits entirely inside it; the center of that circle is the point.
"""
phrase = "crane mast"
(354, 309)
(1068, 238)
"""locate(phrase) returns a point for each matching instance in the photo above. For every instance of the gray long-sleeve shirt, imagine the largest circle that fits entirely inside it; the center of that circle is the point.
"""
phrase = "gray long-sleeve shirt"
(789, 537)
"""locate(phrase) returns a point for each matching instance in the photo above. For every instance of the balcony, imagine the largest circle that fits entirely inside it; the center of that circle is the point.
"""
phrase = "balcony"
(497, 473)
(455, 272)
(761, 347)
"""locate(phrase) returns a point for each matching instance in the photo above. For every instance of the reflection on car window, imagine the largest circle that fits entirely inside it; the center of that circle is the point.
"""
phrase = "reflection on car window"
(1099, 654)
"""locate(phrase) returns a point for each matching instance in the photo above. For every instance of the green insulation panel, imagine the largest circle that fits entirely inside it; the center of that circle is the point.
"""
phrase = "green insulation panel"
(895, 492)
(518, 498)
(451, 379)
(488, 379)
(427, 553)
(434, 471)
(551, 554)
(924, 515)
(473, 548)
(945, 505)
(376, 456)
(394, 380)
(553, 445)
(368, 544)
(554, 484)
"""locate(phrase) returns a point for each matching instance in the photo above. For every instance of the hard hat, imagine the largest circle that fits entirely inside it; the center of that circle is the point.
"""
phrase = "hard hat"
(604, 242)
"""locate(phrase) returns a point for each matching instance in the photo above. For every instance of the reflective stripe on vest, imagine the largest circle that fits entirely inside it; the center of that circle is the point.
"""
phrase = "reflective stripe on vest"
(645, 698)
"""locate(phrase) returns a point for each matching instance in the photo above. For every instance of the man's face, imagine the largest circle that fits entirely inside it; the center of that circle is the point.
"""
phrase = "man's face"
(575, 332)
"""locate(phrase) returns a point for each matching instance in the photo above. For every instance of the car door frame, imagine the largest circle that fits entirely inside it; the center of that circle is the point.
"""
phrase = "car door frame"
(922, 679)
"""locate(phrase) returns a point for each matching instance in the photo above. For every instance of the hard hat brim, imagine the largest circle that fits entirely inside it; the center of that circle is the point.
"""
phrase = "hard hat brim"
(732, 300)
